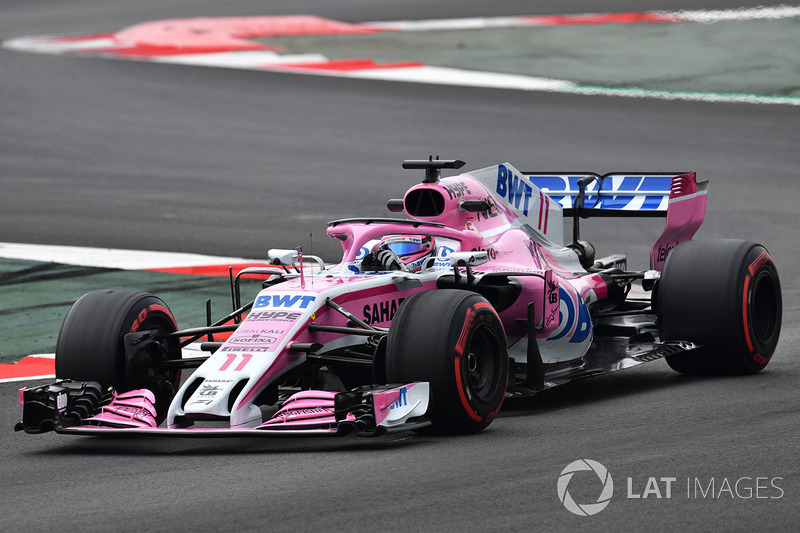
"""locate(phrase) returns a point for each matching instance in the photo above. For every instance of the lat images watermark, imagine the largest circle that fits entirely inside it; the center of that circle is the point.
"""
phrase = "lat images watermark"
(586, 509)
(594, 479)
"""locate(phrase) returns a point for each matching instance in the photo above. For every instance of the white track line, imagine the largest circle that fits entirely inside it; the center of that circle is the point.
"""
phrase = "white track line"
(430, 74)
(244, 60)
(468, 78)
(756, 13)
(111, 257)
(474, 23)
(43, 45)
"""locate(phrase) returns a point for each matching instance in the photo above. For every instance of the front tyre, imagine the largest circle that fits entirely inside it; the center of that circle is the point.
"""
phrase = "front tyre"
(726, 296)
(91, 346)
(454, 340)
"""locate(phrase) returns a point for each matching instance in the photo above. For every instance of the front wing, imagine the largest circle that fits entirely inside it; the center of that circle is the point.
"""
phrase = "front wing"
(84, 408)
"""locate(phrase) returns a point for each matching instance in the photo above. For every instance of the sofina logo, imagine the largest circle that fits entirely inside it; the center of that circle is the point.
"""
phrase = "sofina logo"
(586, 509)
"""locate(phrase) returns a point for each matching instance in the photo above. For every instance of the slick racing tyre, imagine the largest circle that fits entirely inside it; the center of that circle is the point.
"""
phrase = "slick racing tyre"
(454, 340)
(724, 295)
(91, 347)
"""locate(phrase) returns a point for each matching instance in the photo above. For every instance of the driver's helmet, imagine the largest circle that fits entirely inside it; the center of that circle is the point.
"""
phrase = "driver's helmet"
(412, 250)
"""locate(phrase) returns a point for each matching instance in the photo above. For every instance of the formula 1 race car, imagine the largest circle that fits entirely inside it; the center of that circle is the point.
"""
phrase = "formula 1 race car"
(426, 321)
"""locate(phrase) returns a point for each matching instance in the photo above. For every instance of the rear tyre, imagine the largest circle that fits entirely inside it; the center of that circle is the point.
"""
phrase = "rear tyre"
(454, 340)
(726, 296)
(91, 346)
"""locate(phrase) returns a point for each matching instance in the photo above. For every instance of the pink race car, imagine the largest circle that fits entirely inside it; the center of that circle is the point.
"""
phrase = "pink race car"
(426, 321)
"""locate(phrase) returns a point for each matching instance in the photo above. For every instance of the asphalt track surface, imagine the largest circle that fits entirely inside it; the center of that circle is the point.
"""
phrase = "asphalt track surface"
(145, 156)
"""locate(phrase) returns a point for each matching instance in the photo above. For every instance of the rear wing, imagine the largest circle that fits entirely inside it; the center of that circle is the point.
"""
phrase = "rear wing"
(618, 194)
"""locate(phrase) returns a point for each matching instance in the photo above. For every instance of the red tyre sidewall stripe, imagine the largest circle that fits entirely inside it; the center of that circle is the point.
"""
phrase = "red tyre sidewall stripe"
(149, 309)
(469, 319)
(461, 394)
(462, 337)
(763, 259)
(156, 307)
(745, 318)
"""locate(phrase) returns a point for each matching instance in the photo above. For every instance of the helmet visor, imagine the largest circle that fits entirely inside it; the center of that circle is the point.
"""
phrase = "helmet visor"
(407, 248)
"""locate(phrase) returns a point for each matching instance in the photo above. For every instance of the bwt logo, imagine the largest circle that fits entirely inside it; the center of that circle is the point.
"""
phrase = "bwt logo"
(512, 187)
(402, 400)
(618, 184)
(283, 300)
(585, 509)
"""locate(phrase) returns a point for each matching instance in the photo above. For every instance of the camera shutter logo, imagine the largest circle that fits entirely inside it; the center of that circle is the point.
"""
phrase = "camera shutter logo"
(586, 509)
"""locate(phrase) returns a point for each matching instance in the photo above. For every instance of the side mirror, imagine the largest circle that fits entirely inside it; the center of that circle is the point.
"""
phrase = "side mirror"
(278, 256)
(474, 206)
(470, 259)
(650, 279)
(395, 205)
